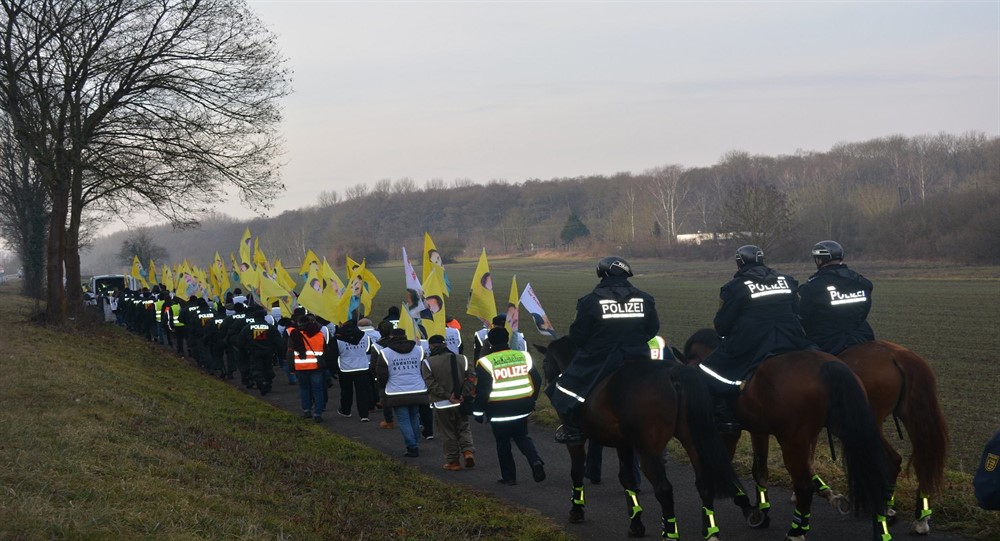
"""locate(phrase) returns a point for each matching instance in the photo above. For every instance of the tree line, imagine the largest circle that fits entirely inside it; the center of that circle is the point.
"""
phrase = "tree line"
(929, 197)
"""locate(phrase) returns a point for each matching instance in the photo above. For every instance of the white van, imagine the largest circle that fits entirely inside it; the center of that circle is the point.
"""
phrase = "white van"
(100, 285)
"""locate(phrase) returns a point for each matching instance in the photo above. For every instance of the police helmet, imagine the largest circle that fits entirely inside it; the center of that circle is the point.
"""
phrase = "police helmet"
(826, 251)
(748, 254)
(613, 266)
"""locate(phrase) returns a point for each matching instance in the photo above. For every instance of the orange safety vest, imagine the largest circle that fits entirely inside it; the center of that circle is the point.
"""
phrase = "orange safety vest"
(314, 350)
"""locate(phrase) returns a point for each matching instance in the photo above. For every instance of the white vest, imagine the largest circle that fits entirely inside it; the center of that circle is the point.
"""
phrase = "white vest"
(404, 371)
(452, 339)
(354, 357)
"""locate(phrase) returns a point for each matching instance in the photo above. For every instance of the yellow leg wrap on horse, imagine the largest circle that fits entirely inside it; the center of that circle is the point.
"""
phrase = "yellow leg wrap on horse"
(923, 509)
(578, 496)
(636, 508)
(711, 528)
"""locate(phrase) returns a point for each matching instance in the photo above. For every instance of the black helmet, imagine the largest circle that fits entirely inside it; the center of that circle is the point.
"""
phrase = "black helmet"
(613, 266)
(748, 254)
(826, 251)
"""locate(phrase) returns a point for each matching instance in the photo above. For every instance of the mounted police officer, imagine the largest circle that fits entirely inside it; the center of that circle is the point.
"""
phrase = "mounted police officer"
(614, 324)
(835, 302)
(757, 318)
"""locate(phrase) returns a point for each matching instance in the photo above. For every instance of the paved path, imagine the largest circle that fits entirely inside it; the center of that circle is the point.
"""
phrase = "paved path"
(606, 515)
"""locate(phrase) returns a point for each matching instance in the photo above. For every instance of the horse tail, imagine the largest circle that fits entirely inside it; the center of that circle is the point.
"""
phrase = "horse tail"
(924, 421)
(850, 419)
(716, 464)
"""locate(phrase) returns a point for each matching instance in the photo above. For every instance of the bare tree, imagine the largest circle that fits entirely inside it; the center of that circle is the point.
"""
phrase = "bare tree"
(670, 191)
(756, 212)
(404, 185)
(328, 198)
(356, 192)
(140, 244)
(24, 210)
(158, 104)
(434, 184)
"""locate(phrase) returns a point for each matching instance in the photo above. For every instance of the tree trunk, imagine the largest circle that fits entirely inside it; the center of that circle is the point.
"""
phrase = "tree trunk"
(55, 311)
(74, 291)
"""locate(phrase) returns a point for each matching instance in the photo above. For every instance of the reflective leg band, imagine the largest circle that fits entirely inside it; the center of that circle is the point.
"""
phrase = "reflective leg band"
(891, 502)
(634, 503)
(923, 509)
(819, 483)
(800, 522)
(762, 502)
(578, 496)
(709, 521)
(668, 528)
(883, 527)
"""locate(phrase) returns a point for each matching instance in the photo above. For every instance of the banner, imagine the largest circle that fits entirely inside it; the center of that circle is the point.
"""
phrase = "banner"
(481, 301)
(138, 272)
(531, 303)
(245, 253)
(413, 301)
(433, 316)
(512, 313)
(433, 261)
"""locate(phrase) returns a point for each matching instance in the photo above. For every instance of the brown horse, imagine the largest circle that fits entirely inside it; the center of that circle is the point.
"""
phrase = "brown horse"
(901, 383)
(898, 382)
(792, 396)
(637, 410)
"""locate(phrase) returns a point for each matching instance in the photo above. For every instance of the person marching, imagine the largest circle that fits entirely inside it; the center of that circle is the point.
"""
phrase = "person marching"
(757, 318)
(308, 341)
(834, 303)
(353, 348)
(507, 385)
(398, 371)
(228, 331)
(260, 344)
(449, 378)
(614, 324)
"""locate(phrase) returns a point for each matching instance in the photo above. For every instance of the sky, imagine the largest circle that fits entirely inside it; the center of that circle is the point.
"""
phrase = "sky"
(522, 90)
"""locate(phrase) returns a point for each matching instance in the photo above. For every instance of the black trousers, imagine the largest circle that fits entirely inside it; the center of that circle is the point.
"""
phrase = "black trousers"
(516, 431)
(356, 385)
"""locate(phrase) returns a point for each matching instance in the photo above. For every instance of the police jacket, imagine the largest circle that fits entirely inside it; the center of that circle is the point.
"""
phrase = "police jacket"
(834, 306)
(507, 385)
(758, 315)
(615, 316)
(258, 338)
(229, 331)
(398, 372)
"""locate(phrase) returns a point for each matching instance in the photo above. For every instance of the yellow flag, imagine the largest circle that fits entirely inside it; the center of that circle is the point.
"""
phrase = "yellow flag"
(311, 262)
(481, 301)
(138, 272)
(167, 278)
(311, 297)
(406, 323)
(235, 274)
(283, 277)
(259, 259)
(269, 288)
(152, 272)
(221, 276)
(433, 261)
(433, 318)
(245, 254)
(332, 280)
(512, 312)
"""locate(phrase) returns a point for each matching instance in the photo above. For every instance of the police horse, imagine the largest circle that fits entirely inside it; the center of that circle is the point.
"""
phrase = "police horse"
(792, 396)
(640, 408)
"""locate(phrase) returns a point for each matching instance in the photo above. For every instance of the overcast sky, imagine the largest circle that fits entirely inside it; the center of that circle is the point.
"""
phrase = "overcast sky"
(519, 90)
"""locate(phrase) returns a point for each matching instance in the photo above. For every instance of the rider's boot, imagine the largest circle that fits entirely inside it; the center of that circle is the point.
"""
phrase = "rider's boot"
(725, 421)
(569, 431)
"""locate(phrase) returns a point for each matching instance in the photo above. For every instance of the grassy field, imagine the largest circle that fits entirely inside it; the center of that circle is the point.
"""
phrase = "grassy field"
(105, 437)
(948, 314)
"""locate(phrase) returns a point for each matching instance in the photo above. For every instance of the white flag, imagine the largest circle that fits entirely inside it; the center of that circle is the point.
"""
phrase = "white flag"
(530, 302)
(414, 298)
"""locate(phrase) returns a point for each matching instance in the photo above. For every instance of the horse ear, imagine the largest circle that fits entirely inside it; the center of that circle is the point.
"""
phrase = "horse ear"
(541, 349)
(677, 354)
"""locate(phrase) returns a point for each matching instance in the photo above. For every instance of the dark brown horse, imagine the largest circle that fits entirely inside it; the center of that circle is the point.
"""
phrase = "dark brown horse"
(792, 396)
(898, 382)
(637, 410)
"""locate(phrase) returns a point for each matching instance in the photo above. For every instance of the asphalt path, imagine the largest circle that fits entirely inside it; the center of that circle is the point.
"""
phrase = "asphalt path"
(606, 516)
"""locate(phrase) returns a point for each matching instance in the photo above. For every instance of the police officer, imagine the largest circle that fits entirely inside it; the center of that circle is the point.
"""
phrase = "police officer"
(757, 318)
(260, 344)
(835, 302)
(507, 385)
(614, 323)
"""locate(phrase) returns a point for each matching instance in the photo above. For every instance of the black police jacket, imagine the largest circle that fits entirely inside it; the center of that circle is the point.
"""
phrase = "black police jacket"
(615, 316)
(834, 305)
(758, 316)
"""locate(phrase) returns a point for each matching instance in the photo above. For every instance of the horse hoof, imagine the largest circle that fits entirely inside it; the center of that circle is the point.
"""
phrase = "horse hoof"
(758, 520)
(795, 538)
(841, 504)
(921, 527)
(576, 515)
(637, 531)
(890, 516)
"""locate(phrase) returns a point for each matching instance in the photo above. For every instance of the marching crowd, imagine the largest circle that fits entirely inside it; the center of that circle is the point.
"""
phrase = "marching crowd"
(416, 385)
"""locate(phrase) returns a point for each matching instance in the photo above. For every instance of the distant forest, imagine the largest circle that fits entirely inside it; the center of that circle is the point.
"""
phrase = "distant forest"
(930, 197)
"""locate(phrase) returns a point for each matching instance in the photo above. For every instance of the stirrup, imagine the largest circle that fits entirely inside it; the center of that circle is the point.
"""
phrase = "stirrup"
(568, 434)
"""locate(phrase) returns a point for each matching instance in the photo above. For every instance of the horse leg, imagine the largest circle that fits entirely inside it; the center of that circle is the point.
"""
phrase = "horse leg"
(837, 501)
(758, 517)
(577, 456)
(895, 466)
(626, 476)
(796, 459)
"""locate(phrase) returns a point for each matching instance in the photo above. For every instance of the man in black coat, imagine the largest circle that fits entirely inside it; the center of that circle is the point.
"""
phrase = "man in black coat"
(835, 302)
(757, 318)
(614, 323)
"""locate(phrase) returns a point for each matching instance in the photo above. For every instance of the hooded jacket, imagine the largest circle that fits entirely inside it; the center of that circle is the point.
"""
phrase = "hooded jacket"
(834, 306)
(398, 373)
